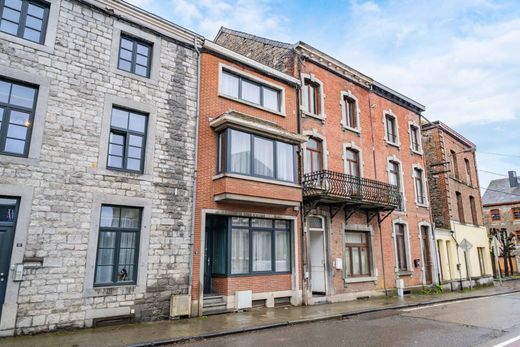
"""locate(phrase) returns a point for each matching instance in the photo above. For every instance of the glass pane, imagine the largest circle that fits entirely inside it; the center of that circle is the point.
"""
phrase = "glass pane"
(110, 216)
(142, 49)
(133, 164)
(35, 11)
(263, 160)
(20, 118)
(16, 4)
(130, 218)
(12, 15)
(33, 23)
(240, 152)
(115, 161)
(107, 239)
(262, 223)
(134, 152)
(347, 262)
(17, 131)
(117, 139)
(351, 237)
(141, 70)
(219, 249)
(315, 223)
(229, 85)
(285, 161)
(7, 210)
(119, 118)
(282, 251)
(14, 146)
(281, 224)
(271, 100)
(105, 256)
(126, 43)
(115, 150)
(8, 27)
(239, 251)
(141, 60)
(22, 96)
(355, 260)
(5, 90)
(104, 274)
(250, 92)
(128, 241)
(125, 65)
(137, 122)
(136, 141)
(240, 222)
(125, 273)
(125, 54)
(262, 251)
(364, 261)
(126, 256)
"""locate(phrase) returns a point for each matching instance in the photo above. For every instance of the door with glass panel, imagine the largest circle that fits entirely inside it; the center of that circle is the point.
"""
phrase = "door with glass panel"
(8, 212)
(317, 254)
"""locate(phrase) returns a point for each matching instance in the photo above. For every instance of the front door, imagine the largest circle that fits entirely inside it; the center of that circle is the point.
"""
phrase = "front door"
(317, 261)
(8, 209)
(208, 247)
(426, 255)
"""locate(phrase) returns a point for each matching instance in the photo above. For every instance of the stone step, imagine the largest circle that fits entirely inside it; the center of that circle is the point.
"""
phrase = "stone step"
(216, 299)
(217, 309)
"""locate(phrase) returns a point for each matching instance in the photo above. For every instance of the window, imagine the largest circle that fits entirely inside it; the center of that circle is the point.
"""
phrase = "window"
(394, 177)
(135, 56)
(468, 172)
(313, 156)
(351, 116)
(400, 242)
(515, 211)
(460, 207)
(127, 140)
(251, 91)
(117, 251)
(495, 214)
(17, 105)
(311, 97)
(357, 254)
(259, 245)
(352, 162)
(253, 155)
(473, 206)
(414, 137)
(24, 18)
(419, 186)
(454, 164)
(480, 251)
(391, 129)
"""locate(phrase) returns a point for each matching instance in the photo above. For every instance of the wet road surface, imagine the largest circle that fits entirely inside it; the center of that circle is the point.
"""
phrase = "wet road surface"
(493, 321)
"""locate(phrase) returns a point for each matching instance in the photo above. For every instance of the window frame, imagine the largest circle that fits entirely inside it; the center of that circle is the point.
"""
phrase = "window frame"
(313, 152)
(460, 207)
(356, 162)
(118, 232)
(5, 120)
(135, 41)
(251, 229)
(388, 115)
(415, 139)
(126, 133)
(455, 164)
(495, 216)
(405, 253)
(223, 157)
(350, 113)
(349, 246)
(420, 186)
(23, 19)
(473, 208)
(515, 212)
(469, 177)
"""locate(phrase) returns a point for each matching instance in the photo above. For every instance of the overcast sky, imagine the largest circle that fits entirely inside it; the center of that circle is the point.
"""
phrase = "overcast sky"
(460, 58)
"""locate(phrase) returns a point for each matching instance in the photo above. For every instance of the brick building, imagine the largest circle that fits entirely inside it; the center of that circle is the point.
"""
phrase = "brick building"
(97, 139)
(456, 207)
(501, 203)
(366, 215)
(247, 220)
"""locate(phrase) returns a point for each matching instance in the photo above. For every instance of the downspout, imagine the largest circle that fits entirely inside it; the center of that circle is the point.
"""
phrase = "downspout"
(382, 253)
(195, 173)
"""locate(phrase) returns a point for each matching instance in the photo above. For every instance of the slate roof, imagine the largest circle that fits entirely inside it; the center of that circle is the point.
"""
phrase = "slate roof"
(499, 192)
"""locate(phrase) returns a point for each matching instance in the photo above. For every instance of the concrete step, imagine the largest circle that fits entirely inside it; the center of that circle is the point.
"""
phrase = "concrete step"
(214, 309)
(214, 299)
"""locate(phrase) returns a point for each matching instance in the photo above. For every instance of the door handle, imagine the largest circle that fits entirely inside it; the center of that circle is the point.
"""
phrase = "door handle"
(2, 276)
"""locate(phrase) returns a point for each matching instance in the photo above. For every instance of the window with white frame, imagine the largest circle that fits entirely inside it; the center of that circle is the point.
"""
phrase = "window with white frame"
(418, 177)
(391, 129)
(394, 177)
(311, 97)
(415, 138)
(352, 166)
(350, 112)
(400, 246)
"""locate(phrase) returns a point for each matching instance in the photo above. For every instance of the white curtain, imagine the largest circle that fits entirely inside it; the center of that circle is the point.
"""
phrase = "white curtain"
(285, 161)
(264, 162)
(240, 152)
(239, 251)
(262, 251)
(282, 251)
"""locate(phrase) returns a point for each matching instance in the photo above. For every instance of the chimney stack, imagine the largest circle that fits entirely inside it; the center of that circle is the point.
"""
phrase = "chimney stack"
(513, 180)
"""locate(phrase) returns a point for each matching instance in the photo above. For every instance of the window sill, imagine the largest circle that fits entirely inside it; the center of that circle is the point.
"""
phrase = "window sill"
(421, 205)
(404, 273)
(393, 144)
(320, 117)
(281, 114)
(421, 153)
(360, 279)
(152, 80)
(254, 274)
(4, 158)
(18, 40)
(257, 179)
(127, 174)
(354, 130)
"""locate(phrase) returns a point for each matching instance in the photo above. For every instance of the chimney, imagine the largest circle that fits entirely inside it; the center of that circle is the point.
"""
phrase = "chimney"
(513, 180)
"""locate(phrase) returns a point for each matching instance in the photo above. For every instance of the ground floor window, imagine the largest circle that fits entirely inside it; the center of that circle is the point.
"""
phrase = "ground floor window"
(400, 243)
(357, 254)
(255, 245)
(118, 245)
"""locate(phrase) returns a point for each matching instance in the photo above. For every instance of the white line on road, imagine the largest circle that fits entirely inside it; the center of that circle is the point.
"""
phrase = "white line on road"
(508, 342)
(451, 302)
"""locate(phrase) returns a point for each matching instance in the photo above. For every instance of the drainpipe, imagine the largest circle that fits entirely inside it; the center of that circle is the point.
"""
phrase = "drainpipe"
(194, 190)
(382, 253)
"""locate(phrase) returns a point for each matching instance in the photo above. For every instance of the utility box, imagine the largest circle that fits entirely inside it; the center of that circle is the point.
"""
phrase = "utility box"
(399, 284)
(180, 305)
(244, 299)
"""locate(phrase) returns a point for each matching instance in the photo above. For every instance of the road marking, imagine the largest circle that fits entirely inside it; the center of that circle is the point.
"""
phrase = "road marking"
(451, 302)
(508, 342)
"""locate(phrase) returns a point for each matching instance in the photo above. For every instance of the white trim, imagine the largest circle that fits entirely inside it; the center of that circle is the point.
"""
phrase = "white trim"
(401, 179)
(326, 225)
(352, 145)
(325, 153)
(254, 78)
(407, 244)
(343, 95)
(419, 137)
(423, 179)
(373, 268)
(392, 114)
(313, 78)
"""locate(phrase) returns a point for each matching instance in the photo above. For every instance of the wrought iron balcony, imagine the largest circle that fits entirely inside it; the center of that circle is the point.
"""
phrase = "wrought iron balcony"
(335, 187)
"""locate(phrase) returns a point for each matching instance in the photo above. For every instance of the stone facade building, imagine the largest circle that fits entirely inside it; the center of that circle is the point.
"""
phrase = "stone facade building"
(98, 104)
(366, 215)
(501, 203)
(456, 207)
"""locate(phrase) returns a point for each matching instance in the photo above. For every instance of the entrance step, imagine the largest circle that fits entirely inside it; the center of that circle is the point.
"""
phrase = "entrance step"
(214, 304)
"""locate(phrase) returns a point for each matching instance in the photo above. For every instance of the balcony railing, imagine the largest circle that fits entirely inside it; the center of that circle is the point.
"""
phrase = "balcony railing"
(339, 187)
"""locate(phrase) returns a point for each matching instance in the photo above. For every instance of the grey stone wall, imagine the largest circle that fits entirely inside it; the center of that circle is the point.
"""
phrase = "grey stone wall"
(66, 178)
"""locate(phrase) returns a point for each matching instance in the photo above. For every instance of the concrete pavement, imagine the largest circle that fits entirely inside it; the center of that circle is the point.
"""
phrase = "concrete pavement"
(162, 332)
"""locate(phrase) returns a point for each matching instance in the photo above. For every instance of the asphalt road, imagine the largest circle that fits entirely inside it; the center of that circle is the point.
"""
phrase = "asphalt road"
(493, 321)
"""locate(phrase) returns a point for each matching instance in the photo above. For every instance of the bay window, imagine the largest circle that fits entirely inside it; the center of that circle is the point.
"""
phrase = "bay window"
(254, 155)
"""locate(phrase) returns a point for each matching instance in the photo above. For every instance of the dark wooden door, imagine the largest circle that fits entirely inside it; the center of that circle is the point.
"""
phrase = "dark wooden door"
(427, 255)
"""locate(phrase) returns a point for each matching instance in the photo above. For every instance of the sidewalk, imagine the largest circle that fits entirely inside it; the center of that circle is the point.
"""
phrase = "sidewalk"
(150, 333)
